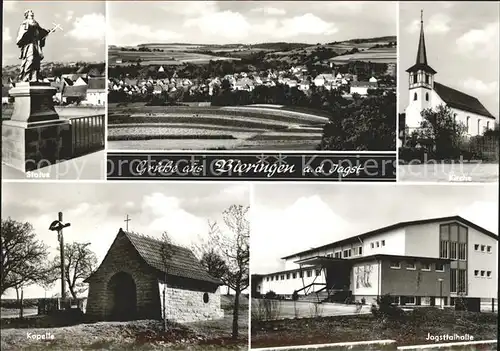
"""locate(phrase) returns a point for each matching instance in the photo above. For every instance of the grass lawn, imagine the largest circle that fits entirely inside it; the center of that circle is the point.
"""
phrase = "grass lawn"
(412, 329)
(135, 335)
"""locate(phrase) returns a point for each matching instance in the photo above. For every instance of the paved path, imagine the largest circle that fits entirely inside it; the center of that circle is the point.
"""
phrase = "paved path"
(287, 309)
(457, 173)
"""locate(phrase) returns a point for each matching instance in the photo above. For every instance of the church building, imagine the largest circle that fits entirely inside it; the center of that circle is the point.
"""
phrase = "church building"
(139, 273)
(425, 92)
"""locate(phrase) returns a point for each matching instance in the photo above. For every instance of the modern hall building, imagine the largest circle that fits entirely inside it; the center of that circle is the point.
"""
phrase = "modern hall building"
(422, 262)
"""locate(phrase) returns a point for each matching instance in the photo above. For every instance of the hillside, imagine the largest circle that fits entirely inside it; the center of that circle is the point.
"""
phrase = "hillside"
(295, 53)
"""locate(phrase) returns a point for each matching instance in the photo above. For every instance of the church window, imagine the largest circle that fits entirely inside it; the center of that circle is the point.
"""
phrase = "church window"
(415, 97)
(487, 125)
(427, 80)
(205, 297)
(415, 79)
(468, 123)
(426, 96)
(478, 126)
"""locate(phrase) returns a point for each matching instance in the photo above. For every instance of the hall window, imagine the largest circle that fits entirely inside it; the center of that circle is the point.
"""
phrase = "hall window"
(476, 272)
(378, 244)
(294, 275)
(482, 248)
(309, 274)
(482, 273)
(395, 265)
(337, 254)
(453, 280)
(488, 274)
(462, 280)
(411, 266)
(439, 267)
(414, 96)
(372, 245)
(462, 251)
(426, 266)
(487, 125)
(383, 242)
(488, 248)
(453, 250)
(288, 276)
(476, 247)
(443, 249)
(267, 279)
(318, 272)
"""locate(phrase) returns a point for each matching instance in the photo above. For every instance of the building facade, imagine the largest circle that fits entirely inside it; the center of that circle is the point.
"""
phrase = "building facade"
(131, 280)
(424, 92)
(425, 262)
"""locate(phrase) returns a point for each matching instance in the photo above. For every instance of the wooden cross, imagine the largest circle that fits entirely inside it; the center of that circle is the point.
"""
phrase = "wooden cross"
(128, 219)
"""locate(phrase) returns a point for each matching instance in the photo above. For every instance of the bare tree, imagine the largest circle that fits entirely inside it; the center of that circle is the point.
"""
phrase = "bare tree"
(79, 262)
(210, 258)
(232, 244)
(167, 252)
(23, 256)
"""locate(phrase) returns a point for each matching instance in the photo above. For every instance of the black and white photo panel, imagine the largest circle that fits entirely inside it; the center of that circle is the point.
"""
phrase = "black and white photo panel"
(53, 90)
(410, 267)
(448, 91)
(125, 266)
(252, 75)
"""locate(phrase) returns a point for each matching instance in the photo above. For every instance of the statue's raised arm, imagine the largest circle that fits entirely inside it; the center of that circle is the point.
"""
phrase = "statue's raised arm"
(31, 40)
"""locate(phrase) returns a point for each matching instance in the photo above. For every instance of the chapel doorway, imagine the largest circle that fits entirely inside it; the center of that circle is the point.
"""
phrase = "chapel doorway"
(122, 297)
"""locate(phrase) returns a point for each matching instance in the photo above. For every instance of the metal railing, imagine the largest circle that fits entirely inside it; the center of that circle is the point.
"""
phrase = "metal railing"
(87, 134)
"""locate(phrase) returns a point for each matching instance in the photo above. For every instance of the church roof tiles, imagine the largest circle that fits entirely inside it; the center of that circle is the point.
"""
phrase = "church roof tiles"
(457, 99)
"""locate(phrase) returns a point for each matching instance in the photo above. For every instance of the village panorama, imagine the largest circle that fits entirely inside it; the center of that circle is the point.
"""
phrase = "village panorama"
(269, 96)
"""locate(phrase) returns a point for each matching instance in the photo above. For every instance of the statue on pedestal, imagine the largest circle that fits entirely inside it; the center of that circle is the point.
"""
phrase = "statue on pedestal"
(31, 40)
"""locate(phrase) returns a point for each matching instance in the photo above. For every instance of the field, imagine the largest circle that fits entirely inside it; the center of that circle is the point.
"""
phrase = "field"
(136, 126)
(412, 329)
(379, 55)
(367, 52)
(171, 55)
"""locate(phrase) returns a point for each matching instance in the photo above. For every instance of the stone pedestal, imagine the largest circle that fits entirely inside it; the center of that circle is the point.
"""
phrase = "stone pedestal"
(34, 137)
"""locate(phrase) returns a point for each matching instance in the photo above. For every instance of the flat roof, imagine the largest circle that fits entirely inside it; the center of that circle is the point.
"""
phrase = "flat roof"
(396, 226)
(317, 260)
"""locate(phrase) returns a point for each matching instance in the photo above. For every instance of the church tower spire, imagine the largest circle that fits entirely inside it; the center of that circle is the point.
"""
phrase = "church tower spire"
(421, 53)
(421, 62)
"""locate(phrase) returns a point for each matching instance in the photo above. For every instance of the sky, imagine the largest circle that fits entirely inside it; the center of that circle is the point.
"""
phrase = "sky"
(97, 211)
(462, 40)
(246, 22)
(288, 218)
(82, 38)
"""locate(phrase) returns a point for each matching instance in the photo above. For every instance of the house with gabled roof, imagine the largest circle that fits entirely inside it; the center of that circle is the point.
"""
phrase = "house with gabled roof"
(96, 91)
(425, 92)
(137, 270)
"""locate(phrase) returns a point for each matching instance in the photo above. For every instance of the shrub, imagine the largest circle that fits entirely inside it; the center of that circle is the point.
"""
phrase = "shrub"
(384, 308)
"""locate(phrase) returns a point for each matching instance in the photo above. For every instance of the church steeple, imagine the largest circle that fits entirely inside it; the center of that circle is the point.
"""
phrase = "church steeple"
(421, 54)
(421, 62)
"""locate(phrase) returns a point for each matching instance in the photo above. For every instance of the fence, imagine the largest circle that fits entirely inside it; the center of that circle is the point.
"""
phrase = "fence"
(51, 305)
(87, 134)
